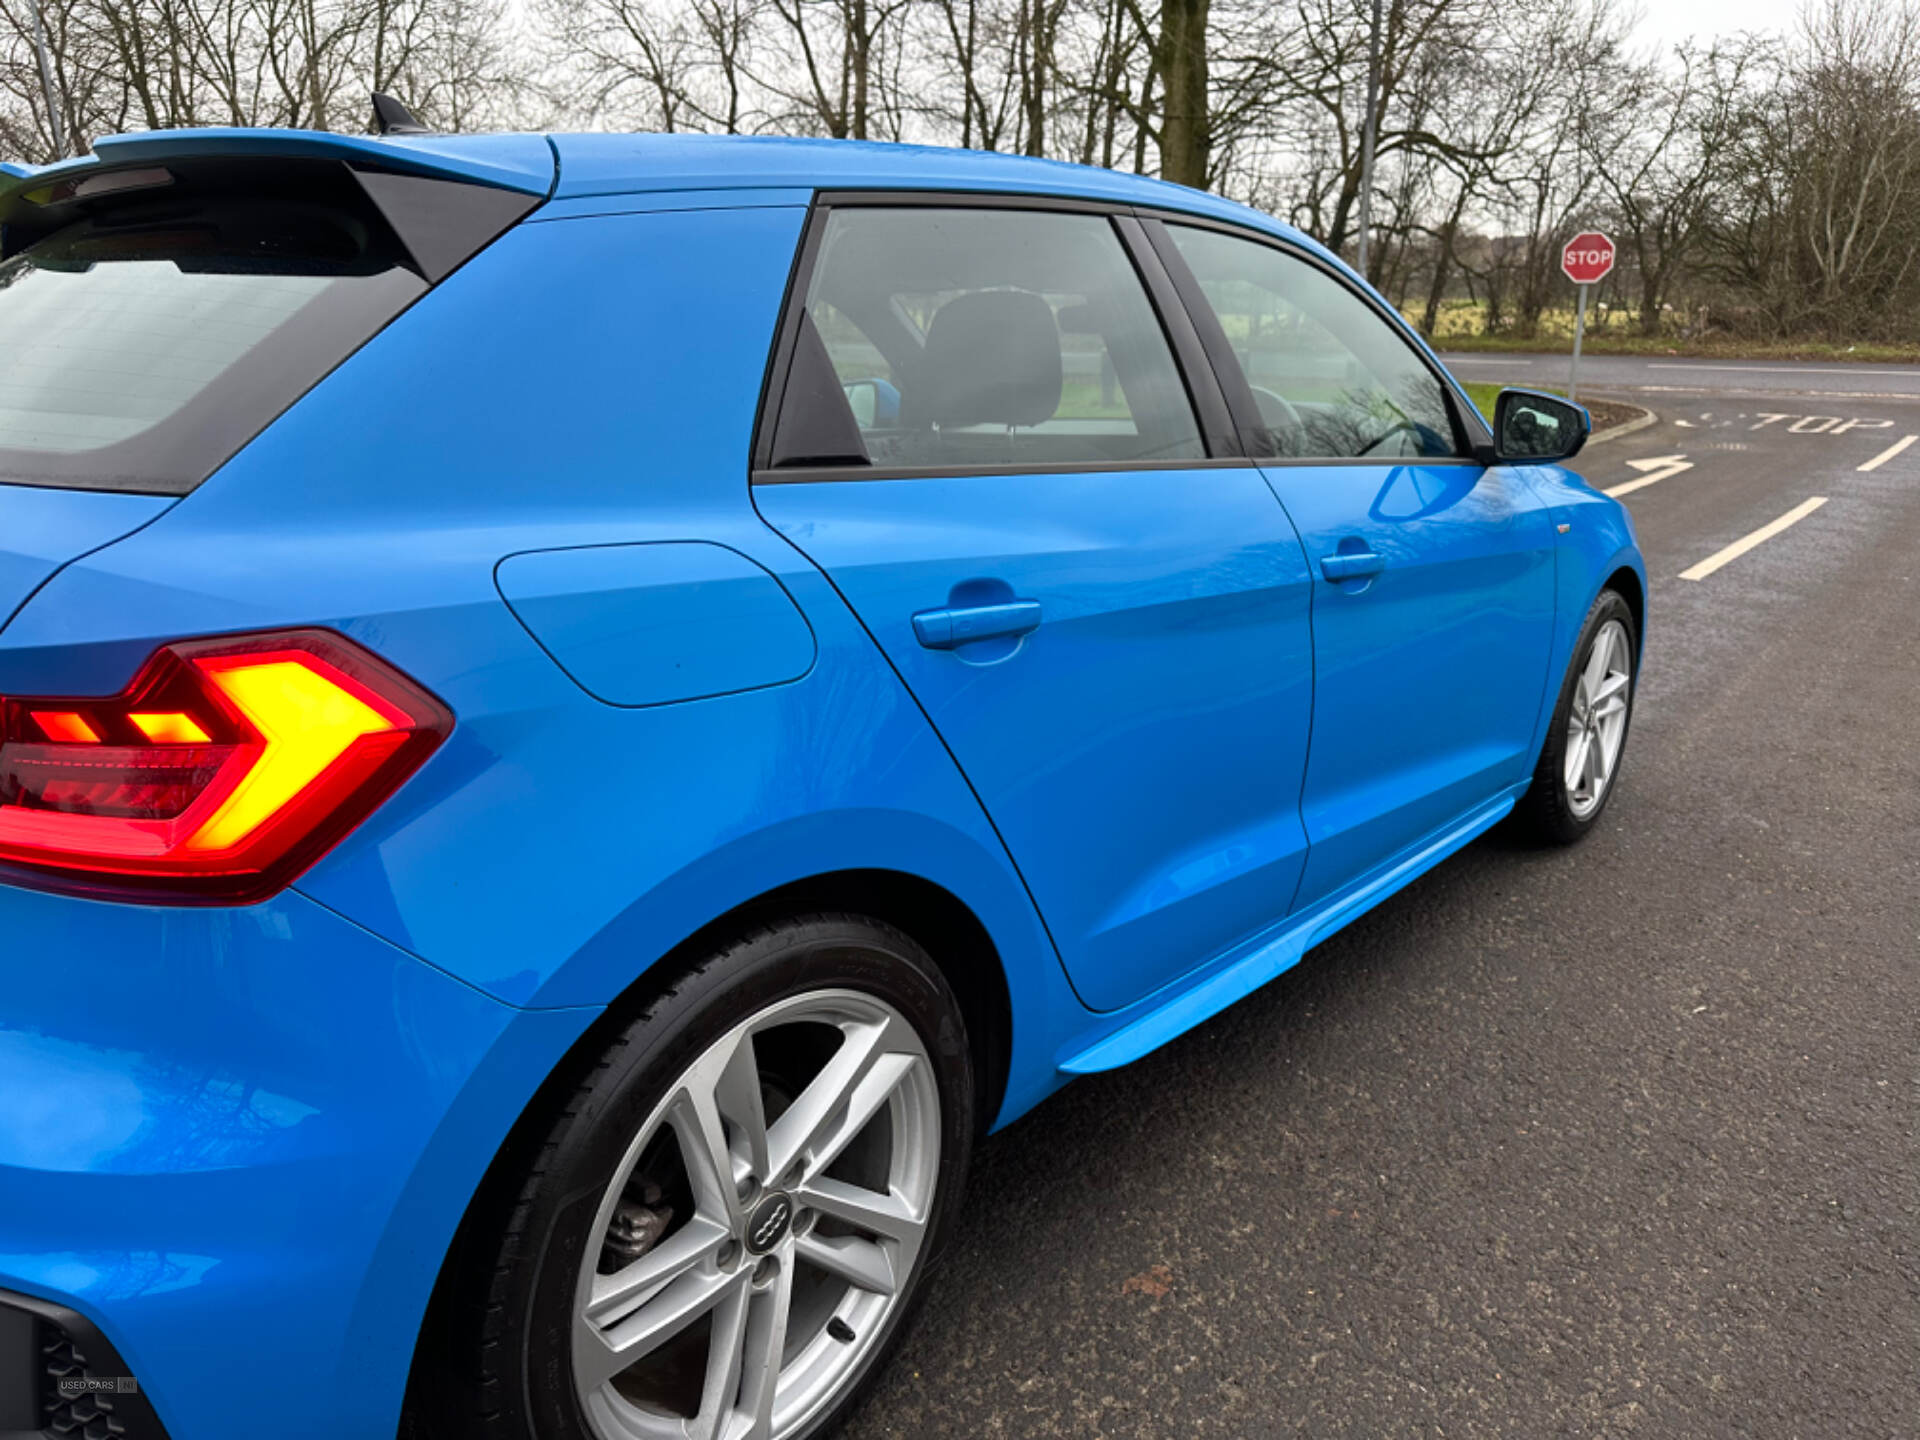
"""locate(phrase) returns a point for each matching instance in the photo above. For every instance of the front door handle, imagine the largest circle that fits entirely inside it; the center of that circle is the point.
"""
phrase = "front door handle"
(946, 628)
(1351, 565)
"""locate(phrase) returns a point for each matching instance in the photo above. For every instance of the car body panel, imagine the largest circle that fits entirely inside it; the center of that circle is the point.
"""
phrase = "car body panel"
(1428, 675)
(645, 201)
(42, 528)
(274, 1171)
(1597, 542)
(625, 165)
(332, 518)
(1121, 1038)
(1140, 752)
(658, 623)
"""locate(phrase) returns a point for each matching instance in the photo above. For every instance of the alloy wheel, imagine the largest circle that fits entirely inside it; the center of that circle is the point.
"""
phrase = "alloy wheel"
(762, 1227)
(1597, 720)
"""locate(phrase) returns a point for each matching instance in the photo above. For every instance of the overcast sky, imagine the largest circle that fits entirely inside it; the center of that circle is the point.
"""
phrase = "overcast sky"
(1669, 21)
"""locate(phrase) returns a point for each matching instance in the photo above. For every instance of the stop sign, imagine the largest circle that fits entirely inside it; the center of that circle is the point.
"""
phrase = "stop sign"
(1587, 258)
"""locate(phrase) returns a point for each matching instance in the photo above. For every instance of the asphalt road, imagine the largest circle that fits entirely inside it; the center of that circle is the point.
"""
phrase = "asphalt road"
(1615, 1140)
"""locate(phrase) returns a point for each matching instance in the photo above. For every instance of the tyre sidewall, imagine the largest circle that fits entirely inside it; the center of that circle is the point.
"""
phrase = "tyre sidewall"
(617, 1100)
(1555, 802)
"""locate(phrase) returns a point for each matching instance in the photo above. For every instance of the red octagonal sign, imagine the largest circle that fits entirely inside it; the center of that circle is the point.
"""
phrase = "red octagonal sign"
(1587, 258)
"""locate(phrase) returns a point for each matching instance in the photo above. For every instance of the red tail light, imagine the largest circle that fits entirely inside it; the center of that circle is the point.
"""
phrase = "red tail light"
(220, 773)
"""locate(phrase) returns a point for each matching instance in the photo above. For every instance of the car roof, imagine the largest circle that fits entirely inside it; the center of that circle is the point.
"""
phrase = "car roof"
(608, 164)
(590, 165)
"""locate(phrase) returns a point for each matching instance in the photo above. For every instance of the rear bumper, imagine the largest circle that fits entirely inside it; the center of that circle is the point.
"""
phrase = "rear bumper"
(59, 1375)
(237, 1142)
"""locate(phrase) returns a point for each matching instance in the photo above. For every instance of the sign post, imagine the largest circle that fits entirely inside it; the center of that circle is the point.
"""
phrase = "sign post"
(1586, 260)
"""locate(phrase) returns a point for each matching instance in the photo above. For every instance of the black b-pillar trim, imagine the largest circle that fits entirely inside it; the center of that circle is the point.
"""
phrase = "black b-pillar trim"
(1213, 340)
(1178, 320)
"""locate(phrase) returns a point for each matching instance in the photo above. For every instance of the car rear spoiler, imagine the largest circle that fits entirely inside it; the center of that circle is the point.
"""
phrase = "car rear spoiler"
(444, 197)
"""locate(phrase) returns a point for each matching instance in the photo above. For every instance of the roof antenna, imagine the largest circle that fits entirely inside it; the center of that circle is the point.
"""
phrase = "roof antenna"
(390, 117)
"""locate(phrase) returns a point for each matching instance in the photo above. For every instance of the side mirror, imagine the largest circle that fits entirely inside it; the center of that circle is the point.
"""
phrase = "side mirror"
(1530, 428)
(874, 403)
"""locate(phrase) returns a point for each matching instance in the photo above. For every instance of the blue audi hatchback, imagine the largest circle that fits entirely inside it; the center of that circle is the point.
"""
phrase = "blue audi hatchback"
(583, 716)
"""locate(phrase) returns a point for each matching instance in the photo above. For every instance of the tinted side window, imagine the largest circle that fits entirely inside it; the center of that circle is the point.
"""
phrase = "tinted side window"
(1332, 379)
(980, 337)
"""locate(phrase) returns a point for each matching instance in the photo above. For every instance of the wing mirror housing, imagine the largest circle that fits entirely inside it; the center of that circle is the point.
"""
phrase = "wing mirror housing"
(874, 402)
(1534, 428)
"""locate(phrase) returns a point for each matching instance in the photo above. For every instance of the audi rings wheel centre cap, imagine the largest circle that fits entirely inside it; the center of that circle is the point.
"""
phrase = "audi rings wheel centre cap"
(767, 1226)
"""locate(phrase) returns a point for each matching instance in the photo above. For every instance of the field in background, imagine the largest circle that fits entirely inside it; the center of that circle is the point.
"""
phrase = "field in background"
(1481, 393)
(1606, 413)
(1615, 331)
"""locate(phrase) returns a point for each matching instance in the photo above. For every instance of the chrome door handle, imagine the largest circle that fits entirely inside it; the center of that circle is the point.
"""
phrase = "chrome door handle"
(943, 629)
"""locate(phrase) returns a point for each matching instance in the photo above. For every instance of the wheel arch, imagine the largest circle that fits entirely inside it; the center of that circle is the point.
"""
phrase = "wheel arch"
(1626, 580)
(929, 913)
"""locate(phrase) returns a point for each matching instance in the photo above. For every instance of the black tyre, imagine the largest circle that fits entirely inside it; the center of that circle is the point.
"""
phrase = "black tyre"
(1587, 737)
(731, 1220)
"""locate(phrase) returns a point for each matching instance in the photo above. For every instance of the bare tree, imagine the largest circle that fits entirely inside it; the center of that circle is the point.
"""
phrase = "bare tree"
(1778, 180)
(836, 54)
(1857, 166)
(1660, 152)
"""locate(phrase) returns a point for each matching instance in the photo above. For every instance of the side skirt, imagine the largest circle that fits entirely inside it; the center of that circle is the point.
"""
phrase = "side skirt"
(1174, 1011)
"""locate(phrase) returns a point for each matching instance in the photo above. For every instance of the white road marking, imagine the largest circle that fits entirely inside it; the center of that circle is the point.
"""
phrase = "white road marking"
(1653, 471)
(1815, 424)
(1822, 394)
(1476, 360)
(1759, 537)
(1892, 450)
(1782, 369)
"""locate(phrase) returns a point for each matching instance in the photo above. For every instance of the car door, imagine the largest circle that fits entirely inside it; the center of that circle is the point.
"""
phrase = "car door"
(1433, 575)
(987, 441)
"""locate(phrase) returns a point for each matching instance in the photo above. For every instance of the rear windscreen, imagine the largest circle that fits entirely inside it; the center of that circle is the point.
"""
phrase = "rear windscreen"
(140, 348)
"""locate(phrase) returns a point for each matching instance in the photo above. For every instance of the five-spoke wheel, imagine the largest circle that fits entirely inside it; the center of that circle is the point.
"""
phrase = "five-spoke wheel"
(1580, 761)
(728, 1210)
(1597, 723)
(760, 1226)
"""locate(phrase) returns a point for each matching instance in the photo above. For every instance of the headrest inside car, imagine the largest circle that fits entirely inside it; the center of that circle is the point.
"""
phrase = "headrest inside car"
(992, 358)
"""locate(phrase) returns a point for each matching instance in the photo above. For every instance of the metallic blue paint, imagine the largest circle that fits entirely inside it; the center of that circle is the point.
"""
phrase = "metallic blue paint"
(1147, 1026)
(1140, 750)
(42, 529)
(1598, 543)
(659, 623)
(237, 1138)
(1428, 669)
(266, 1122)
(639, 202)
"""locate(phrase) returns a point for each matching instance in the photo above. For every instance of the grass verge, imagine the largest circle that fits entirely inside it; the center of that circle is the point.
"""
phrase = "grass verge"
(1711, 347)
(1606, 413)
